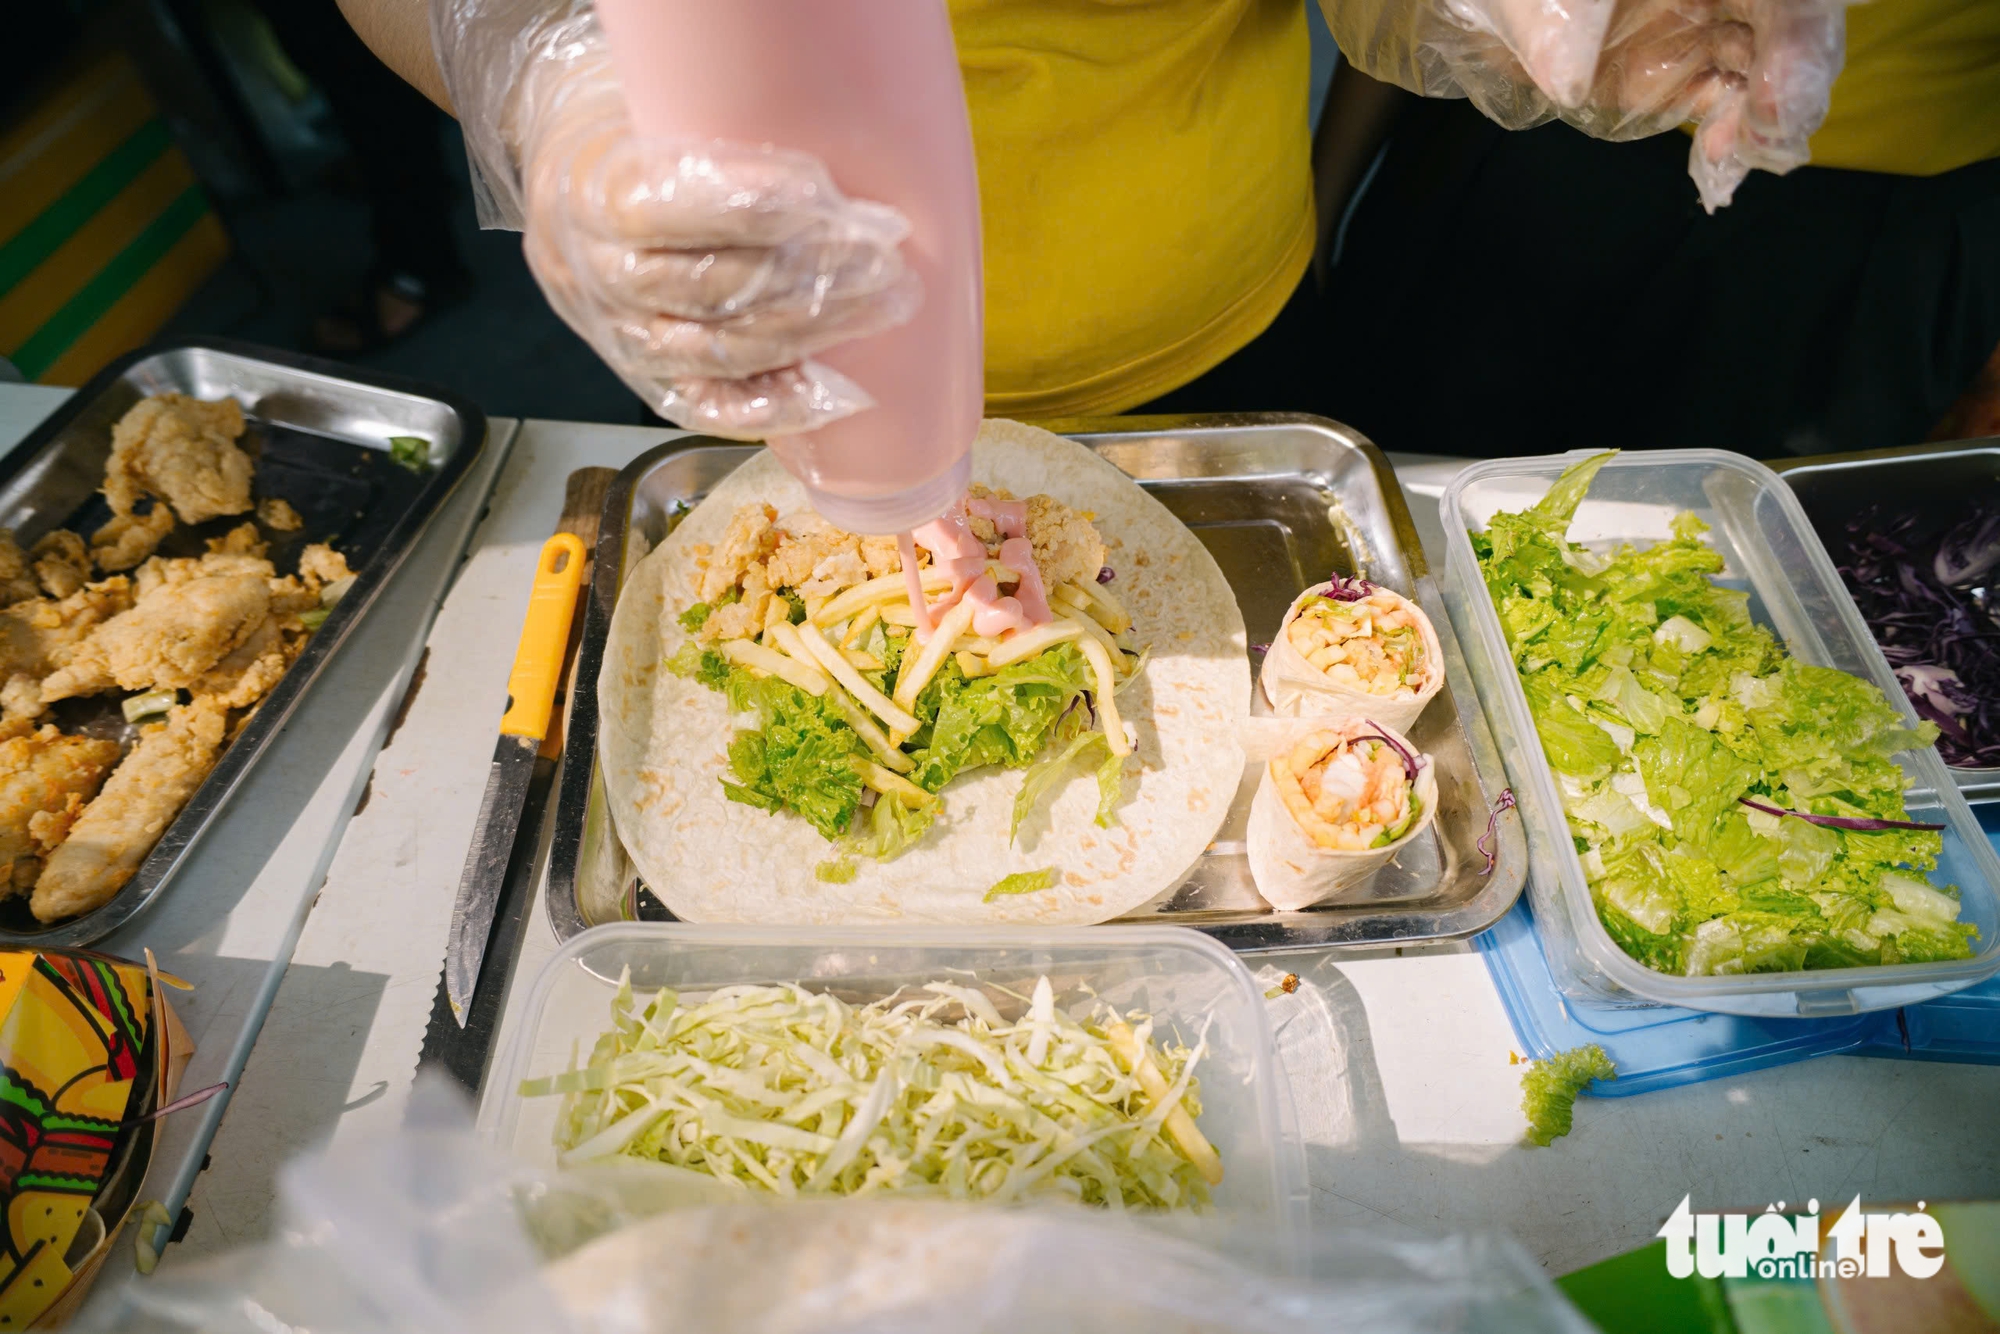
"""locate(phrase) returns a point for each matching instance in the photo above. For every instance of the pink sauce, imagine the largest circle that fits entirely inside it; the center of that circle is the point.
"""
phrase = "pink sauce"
(957, 551)
(1009, 516)
(1018, 554)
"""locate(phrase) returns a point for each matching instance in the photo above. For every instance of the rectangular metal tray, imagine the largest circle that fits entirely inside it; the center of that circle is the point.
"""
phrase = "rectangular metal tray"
(1832, 488)
(1279, 500)
(320, 433)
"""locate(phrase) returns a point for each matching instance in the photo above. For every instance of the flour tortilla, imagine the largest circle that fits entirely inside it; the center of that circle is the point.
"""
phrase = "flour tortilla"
(664, 739)
(1298, 689)
(1290, 870)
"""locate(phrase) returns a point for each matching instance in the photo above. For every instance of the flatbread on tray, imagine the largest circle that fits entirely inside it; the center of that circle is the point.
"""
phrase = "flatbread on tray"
(663, 739)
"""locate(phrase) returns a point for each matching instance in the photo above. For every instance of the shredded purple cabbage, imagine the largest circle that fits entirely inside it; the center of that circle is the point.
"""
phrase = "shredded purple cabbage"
(1859, 823)
(1105, 574)
(1922, 591)
(1260, 648)
(1488, 842)
(1412, 762)
(1342, 589)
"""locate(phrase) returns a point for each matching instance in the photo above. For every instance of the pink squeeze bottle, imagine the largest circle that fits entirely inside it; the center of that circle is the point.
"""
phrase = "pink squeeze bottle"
(872, 88)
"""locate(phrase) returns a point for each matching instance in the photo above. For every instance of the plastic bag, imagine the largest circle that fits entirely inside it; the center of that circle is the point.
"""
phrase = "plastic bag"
(706, 274)
(427, 1229)
(1754, 75)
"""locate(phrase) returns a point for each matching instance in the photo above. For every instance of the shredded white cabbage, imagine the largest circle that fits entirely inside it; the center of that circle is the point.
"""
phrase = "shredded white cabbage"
(780, 1089)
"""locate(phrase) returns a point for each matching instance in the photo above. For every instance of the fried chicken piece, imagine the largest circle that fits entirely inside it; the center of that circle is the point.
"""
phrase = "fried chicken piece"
(277, 514)
(176, 634)
(40, 635)
(45, 778)
(20, 705)
(162, 572)
(127, 539)
(1067, 545)
(143, 795)
(62, 563)
(242, 540)
(320, 563)
(181, 450)
(247, 674)
(982, 528)
(749, 538)
(17, 581)
(805, 541)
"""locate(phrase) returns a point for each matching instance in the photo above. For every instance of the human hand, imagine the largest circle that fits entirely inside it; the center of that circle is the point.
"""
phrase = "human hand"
(707, 275)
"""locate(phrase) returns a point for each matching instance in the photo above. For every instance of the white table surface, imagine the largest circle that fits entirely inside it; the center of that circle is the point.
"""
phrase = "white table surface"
(1400, 1062)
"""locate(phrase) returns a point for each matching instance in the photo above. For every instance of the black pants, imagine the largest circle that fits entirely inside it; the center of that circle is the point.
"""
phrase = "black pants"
(393, 131)
(1520, 293)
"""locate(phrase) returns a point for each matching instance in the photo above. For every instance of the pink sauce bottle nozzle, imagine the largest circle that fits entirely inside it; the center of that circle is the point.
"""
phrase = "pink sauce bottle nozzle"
(872, 88)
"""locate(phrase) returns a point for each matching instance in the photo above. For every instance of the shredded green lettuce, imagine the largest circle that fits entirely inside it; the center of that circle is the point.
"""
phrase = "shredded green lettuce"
(780, 1090)
(1659, 704)
(1549, 1089)
(1023, 882)
(802, 756)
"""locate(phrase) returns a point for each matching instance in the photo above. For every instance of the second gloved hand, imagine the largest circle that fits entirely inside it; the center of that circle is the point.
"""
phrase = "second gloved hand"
(708, 275)
(1754, 75)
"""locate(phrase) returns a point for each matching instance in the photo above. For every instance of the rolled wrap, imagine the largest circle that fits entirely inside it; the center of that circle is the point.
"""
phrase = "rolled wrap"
(1296, 688)
(1291, 869)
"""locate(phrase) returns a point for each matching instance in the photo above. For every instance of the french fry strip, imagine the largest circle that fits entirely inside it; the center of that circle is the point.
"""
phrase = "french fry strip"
(812, 641)
(866, 662)
(801, 674)
(1096, 631)
(898, 614)
(915, 676)
(971, 664)
(873, 736)
(858, 628)
(883, 588)
(1107, 694)
(1070, 596)
(1027, 643)
(1109, 610)
(1179, 1125)
(883, 781)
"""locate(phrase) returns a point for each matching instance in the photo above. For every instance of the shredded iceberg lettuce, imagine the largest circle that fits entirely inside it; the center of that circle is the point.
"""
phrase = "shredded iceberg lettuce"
(1549, 1089)
(781, 1090)
(1680, 732)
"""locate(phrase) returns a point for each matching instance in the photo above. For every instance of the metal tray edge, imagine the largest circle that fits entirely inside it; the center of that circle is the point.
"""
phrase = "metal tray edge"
(1260, 935)
(156, 873)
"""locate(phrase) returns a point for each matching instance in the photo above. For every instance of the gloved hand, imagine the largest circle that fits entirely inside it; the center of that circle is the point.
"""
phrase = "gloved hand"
(706, 274)
(1755, 75)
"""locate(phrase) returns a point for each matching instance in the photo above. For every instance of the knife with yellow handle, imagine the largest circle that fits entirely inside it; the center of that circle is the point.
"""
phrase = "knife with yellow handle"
(531, 698)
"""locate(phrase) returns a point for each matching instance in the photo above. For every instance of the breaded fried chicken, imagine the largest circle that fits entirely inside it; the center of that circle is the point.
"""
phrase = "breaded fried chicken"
(39, 635)
(62, 563)
(17, 581)
(170, 639)
(127, 539)
(45, 778)
(1068, 548)
(183, 451)
(143, 795)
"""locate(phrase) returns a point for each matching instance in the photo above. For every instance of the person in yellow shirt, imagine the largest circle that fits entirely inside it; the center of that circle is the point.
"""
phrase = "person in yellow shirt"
(1504, 293)
(1147, 174)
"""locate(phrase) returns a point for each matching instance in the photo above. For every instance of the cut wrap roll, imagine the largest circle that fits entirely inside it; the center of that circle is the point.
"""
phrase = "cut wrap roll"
(1349, 648)
(1336, 800)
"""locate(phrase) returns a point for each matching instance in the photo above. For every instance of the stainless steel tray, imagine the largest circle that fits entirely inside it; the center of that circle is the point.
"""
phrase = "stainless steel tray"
(320, 432)
(1279, 500)
(1832, 488)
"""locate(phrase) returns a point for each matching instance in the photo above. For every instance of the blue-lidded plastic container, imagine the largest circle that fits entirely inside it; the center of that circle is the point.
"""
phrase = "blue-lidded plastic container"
(1662, 1047)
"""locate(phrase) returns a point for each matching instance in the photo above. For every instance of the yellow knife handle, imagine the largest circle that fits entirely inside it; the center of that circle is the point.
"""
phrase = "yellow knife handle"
(531, 686)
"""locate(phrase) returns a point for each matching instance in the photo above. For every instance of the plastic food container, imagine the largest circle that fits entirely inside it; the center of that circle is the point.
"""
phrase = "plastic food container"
(1770, 551)
(1181, 977)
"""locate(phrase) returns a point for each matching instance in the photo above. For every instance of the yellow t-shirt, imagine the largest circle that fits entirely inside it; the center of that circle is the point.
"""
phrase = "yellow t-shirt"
(1146, 189)
(1920, 93)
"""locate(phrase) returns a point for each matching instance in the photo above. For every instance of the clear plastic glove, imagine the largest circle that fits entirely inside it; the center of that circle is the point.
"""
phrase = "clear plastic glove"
(1755, 76)
(706, 274)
